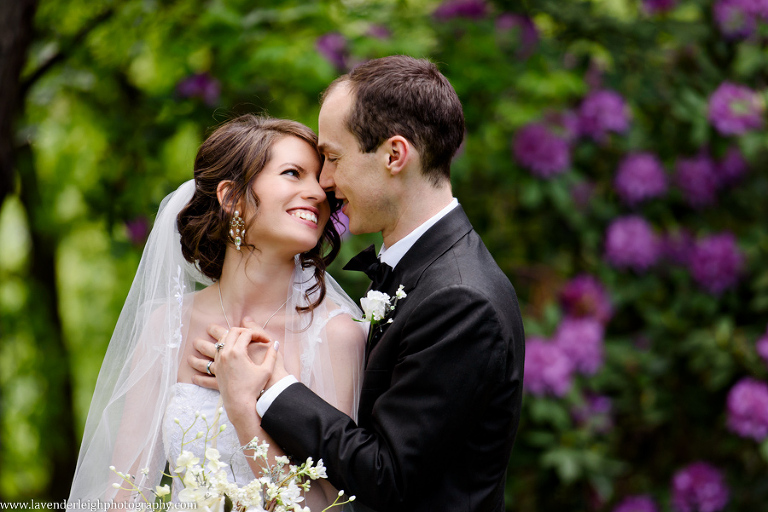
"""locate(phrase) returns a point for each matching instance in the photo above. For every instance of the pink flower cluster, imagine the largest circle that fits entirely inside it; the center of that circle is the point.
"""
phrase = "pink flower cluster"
(585, 296)
(738, 19)
(735, 109)
(333, 47)
(639, 503)
(544, 147)
(658, 6)
(699, 487)
(700, 178)
(630, 242)
(748, 409)
(577, 345)
(541, 149)
(716, 262)
(202, 86)
(761, 346)
(469, 9)
(639, 177)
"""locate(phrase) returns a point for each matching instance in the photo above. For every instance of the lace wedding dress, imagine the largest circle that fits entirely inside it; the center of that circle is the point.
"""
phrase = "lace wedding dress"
(189, 405)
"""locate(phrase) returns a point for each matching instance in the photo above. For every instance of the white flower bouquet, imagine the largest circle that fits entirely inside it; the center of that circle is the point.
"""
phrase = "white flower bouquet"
(206, 484)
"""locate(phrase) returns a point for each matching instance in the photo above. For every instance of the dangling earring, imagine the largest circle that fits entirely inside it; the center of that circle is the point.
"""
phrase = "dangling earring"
(237, 229)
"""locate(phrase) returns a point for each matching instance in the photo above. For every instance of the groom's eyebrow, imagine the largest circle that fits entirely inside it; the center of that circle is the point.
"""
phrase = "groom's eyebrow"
(325, 147)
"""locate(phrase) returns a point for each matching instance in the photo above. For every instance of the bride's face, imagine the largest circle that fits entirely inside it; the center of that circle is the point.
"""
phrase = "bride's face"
(293, 208)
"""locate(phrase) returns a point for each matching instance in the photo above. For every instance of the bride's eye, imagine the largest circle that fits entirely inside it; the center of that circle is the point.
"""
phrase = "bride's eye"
(291, 172)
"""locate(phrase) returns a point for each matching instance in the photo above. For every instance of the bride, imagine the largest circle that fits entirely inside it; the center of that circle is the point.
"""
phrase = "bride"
(249, 237)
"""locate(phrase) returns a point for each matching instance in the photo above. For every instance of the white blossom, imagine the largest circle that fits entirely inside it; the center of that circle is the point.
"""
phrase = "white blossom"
(185, 460)
(400, 293)
(374, 305)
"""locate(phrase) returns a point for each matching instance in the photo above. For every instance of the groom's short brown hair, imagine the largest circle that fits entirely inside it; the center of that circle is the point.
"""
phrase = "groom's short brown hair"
(400, 95)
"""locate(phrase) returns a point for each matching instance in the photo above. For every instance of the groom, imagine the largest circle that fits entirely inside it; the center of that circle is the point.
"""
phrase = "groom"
(442, 388)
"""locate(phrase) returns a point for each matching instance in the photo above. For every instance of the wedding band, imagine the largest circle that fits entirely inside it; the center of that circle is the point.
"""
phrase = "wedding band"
(208, 368)
(219, 346)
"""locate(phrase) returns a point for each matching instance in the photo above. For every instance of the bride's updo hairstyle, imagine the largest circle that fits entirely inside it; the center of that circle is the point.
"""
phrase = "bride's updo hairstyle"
(238, 151)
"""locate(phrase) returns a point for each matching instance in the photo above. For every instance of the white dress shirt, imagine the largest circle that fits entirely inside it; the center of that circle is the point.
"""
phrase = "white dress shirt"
(391, 256)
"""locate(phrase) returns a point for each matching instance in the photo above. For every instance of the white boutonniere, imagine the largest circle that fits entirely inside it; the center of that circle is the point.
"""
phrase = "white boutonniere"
(377, 306)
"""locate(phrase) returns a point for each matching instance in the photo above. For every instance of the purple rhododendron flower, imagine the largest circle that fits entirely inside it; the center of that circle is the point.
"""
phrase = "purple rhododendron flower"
(594, 413)
(734, 18)
(640, 176)
(547, 370)
(716, 262)
(658, 6)
(631, 242)
(527, 35)
(537, 147)
(341, 222)
(581, 339)
(638, 503)
(761, 346)
(732, 167)
(379, 32)
(677, 246)
(333, 46)
(138, 229)
(585, 296)
(469, 9)
(697, 179)
(699, 487)
(735, 109)
(201, 85)
(601, 112)
(748, 409)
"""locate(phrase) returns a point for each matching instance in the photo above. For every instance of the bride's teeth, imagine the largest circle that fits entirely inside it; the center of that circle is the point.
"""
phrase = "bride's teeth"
(302, 214)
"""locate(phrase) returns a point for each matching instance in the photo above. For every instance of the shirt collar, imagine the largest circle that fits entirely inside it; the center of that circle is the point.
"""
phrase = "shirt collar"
(392, 255)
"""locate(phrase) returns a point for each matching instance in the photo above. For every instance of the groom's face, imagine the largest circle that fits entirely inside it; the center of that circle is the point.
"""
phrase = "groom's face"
(358, 179)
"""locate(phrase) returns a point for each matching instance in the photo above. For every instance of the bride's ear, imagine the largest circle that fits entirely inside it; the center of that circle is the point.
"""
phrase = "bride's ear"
(223, 190)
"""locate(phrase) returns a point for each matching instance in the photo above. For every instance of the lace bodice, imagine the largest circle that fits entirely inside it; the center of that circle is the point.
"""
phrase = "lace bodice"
(186, 400)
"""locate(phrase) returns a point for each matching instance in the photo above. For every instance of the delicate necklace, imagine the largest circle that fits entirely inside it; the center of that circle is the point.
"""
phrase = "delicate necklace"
(221, 301)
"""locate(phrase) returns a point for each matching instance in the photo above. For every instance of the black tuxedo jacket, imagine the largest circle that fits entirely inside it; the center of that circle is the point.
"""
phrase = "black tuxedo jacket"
(441, 392)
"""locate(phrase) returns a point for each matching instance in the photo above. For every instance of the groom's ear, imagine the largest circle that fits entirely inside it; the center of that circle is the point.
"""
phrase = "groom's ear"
(398, 153)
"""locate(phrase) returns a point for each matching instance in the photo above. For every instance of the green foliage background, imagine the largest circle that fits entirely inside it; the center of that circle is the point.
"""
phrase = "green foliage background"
(104, 136)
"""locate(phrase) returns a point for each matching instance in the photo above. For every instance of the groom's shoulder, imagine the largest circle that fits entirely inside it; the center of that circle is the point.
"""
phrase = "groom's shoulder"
(469, 263)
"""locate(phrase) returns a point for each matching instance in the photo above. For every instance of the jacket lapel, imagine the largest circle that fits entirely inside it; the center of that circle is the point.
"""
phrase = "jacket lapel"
(431, 245)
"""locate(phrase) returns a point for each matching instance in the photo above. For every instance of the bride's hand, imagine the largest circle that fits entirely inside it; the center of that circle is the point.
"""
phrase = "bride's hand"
(279, 370)
(239, 379)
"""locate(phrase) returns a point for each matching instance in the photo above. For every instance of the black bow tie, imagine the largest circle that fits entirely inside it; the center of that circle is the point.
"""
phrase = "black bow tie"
(367, 261)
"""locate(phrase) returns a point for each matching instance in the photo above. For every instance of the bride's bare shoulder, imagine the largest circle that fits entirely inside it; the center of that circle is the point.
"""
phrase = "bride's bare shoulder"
(343, 329)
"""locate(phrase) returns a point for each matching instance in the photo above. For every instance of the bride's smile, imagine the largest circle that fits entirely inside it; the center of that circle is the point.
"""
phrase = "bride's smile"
(293, 209)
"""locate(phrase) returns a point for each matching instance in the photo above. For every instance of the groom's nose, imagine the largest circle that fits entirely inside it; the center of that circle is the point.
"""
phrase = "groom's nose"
(326, 177)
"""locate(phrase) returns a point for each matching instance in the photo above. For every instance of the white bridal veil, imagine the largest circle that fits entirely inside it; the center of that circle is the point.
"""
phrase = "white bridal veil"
(124, 425)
